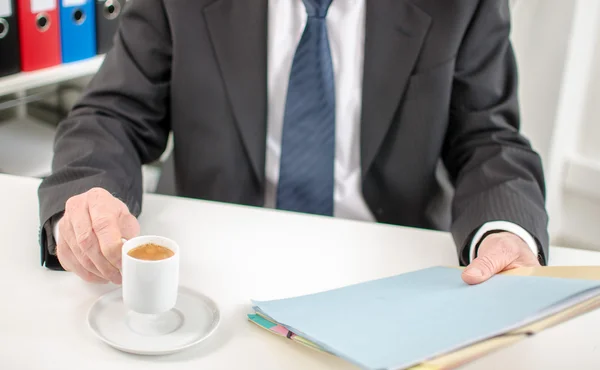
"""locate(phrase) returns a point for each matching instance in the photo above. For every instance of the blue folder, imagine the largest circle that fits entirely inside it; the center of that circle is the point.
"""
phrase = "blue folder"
(77, 29)
(404, 320)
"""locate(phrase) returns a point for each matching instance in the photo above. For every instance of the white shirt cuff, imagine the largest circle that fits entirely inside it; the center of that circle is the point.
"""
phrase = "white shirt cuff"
(55, 231)
(504, 226)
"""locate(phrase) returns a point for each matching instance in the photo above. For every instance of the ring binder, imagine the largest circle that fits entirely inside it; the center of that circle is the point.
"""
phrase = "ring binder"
(39, 34)
(9, 38)
(78, 31)
(108, 13)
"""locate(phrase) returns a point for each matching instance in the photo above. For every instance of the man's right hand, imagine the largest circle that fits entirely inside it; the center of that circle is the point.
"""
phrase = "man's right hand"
(90, 232)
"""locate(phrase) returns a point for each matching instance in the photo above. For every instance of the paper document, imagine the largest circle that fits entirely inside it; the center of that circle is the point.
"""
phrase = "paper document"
(404, 320)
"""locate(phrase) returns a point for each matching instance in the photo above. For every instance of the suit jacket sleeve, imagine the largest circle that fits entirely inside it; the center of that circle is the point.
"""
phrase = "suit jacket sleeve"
(496, 174)
(119, 123)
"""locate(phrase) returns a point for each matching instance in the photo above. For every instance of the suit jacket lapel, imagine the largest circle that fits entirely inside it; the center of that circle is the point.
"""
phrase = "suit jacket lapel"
(238, 31)
(395, 31)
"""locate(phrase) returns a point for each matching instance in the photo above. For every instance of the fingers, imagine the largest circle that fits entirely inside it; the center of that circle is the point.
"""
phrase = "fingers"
(495, 255)
(91, 231)
(105, 225)
(68, 236)
(70, 263)
(130, 227)
(86, 243)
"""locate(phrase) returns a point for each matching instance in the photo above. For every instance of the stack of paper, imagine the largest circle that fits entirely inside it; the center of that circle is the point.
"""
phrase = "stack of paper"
(410, 319)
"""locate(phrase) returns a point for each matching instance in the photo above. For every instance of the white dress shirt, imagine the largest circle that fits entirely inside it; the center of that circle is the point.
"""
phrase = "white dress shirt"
(346, 29)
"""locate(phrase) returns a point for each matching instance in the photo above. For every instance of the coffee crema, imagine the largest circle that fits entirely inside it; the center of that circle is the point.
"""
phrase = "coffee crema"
(150, 252)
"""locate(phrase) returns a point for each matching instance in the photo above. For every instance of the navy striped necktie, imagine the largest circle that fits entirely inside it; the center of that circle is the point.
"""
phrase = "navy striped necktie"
(308, 139)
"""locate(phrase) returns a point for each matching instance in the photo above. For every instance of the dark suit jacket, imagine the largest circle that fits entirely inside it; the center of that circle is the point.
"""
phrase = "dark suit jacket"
(439, 92)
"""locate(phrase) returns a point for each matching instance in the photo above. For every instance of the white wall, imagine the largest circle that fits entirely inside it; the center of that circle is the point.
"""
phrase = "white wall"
(560, 104)
(590, 142)
(540, 34)
(581, 202)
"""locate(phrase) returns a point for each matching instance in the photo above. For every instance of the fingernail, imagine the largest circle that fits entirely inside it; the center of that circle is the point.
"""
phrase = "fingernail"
(474, 272)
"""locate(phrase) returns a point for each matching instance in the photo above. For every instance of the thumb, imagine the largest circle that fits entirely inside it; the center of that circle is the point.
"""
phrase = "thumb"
(129, 226)
(485, 266)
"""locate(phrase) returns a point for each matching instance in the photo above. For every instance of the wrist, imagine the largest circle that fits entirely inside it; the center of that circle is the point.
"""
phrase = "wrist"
(495, 227)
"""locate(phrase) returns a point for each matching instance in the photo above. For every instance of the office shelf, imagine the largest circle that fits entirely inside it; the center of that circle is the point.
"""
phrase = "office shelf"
(29, 80)
(26, 147)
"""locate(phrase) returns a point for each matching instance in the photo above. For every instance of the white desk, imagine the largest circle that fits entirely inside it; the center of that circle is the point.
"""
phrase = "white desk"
(233, 254)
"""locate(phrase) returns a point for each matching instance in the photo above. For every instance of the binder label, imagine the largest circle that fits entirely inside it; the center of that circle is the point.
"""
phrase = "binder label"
(69, 3)
(42, 5)
(5, 8)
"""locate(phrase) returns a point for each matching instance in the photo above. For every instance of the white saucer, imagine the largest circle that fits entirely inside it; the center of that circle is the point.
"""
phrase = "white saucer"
(196, 317)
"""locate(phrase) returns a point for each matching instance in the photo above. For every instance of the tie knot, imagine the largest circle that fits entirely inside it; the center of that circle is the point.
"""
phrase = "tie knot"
(317, 8)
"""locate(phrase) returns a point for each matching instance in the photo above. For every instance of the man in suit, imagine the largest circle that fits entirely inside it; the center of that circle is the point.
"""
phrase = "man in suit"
(356, 108)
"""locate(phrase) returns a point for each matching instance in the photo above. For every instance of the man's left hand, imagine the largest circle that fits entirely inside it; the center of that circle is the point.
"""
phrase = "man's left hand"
(499, 252)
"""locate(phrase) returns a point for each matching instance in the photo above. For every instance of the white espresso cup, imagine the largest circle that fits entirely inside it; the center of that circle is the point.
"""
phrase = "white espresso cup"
(150, 287)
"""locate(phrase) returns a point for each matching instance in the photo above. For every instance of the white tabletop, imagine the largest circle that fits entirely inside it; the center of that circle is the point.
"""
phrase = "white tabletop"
(234, 254)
